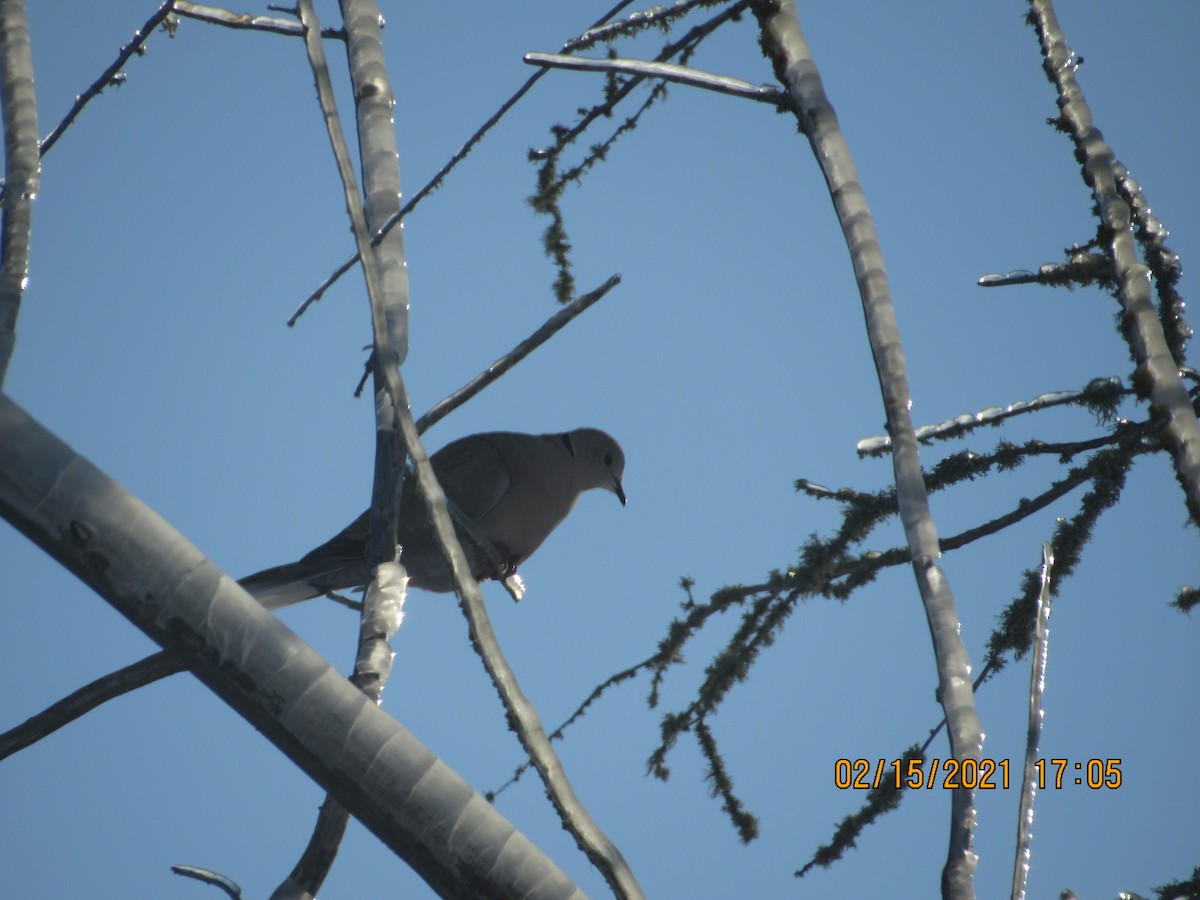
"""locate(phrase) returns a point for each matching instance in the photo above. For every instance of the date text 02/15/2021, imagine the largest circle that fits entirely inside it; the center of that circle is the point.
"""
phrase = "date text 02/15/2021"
(984, 774)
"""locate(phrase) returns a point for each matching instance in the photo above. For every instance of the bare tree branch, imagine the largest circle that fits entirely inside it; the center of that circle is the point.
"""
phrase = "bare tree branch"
(1097, 392)
(114, 684)
(558, 733)
(551, 182)
(110, 75)
(722, 84)
(390, 328)
(215, 15)
(444, 407)
(216, 879)
(21, 169)
(387, 289)
(1082, 268)
(154, 577)
(314, 863)
(1037, 685)
(1157, 376)
(436, 181)
(784, 43)
(640, 20)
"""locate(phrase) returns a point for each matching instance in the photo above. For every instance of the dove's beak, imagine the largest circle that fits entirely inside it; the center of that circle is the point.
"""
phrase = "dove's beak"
(618, 490)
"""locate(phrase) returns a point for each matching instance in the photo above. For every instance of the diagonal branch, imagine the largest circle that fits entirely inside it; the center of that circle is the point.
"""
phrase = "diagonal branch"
(1157, 376)
(560, 732)
(109, 75)
(390, 328)
(1037, 685)
(551, 182)
(1100, 394)
(166, 587)
(436, 181)
(722, 84)
(207, 876)
(211, 14)
(114, 684)
(149, 670)
(658, 17)
(444, 407)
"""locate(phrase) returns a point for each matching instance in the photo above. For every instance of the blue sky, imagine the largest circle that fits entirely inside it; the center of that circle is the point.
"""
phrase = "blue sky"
(187, 213)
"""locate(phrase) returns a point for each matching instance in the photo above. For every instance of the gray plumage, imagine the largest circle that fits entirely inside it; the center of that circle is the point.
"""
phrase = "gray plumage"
(515, 488)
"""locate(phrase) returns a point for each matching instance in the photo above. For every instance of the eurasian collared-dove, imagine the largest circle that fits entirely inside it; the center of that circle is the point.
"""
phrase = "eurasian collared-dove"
(515, 488)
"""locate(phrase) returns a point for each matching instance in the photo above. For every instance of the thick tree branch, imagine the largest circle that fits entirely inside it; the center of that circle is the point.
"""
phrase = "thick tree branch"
(21, 169)
(1157, 376)
(153, 576)
(151, 669)
(436, 181)
(387, 290)
(784, 43)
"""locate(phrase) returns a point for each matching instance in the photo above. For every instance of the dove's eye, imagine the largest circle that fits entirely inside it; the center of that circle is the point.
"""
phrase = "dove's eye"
(608, 460)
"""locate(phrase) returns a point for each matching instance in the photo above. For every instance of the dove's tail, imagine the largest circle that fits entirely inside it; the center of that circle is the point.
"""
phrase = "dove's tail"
(294, 582)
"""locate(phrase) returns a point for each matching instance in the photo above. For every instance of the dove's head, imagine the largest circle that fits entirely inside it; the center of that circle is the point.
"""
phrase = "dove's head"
(600, 459)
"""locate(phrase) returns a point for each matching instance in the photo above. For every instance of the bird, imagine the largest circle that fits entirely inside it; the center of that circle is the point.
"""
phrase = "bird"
(514, 489)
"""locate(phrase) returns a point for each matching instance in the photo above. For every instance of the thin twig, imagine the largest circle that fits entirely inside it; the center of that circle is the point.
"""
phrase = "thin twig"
(557, 734)
(1037, 686)
(1083, 269)
(1024, 509)
(69, 708)
(1106, 390)
(215, 15)
(722, 84)
(216, 879)
(211, 14)
(551, 182)
(669, 652)
(683, 46)
(436, 181)
(655, 17)
(552, 325)
(882, 799)
(108, 75)
(575, 817)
